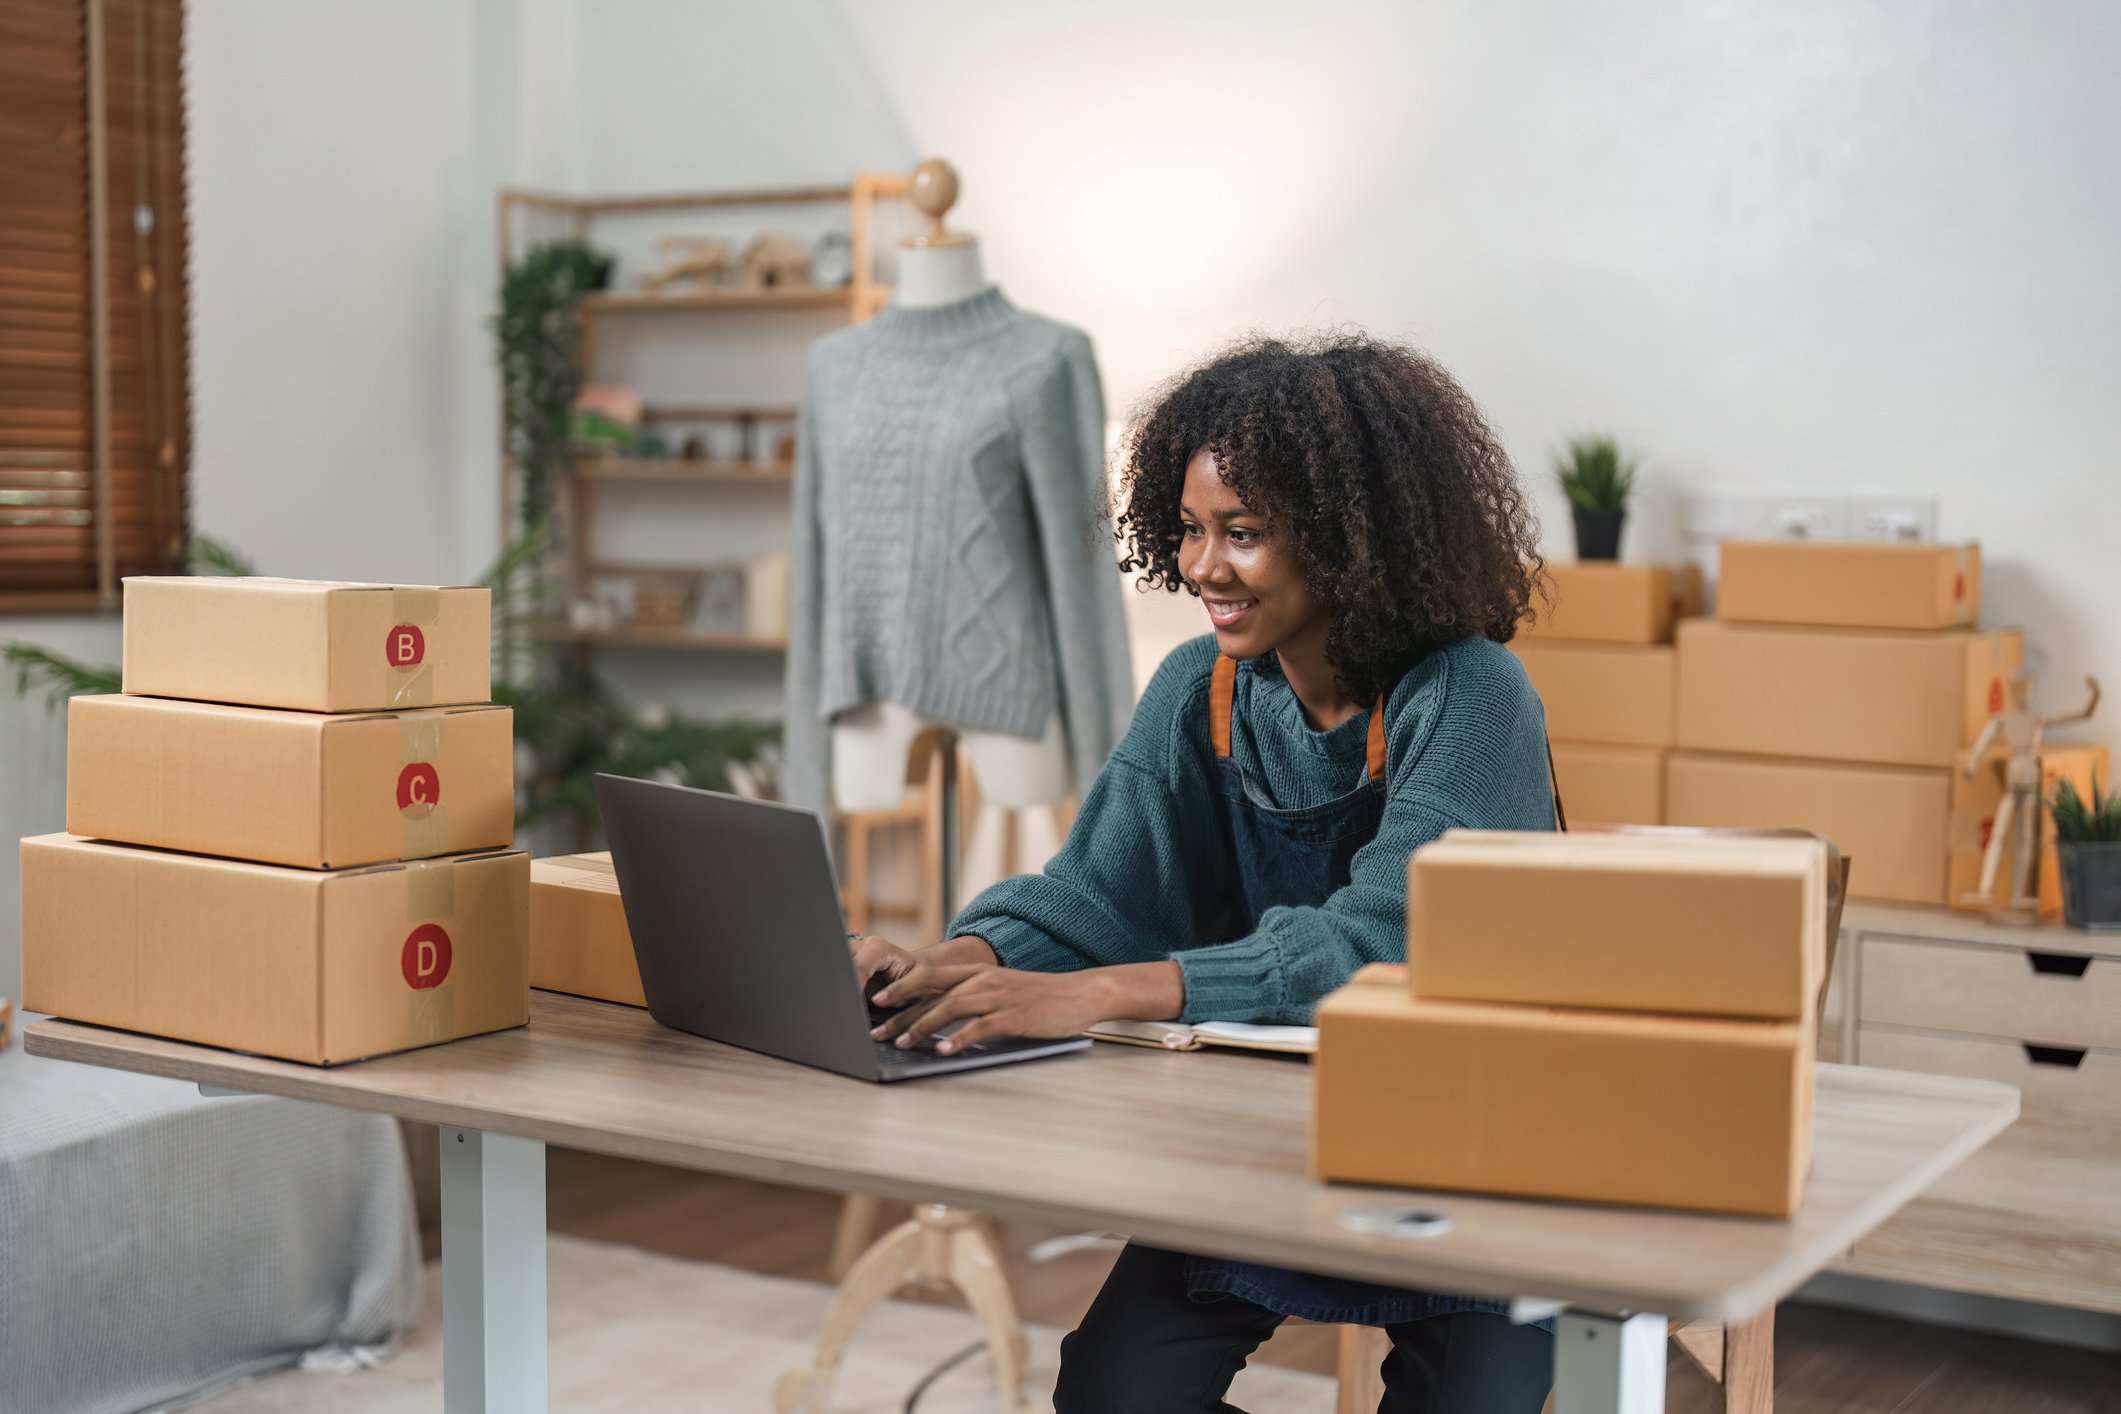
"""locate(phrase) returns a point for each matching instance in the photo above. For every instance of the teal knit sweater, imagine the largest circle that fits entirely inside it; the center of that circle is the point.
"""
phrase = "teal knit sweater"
(1465, 740)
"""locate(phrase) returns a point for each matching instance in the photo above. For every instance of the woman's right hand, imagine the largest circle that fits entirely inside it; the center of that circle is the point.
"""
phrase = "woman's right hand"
(874, 955)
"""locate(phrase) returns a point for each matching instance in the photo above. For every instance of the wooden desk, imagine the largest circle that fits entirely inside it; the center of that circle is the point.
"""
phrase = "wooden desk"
(1200, 1151)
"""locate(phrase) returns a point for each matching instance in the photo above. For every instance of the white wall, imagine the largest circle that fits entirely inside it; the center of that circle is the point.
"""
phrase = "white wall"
(1828, 243)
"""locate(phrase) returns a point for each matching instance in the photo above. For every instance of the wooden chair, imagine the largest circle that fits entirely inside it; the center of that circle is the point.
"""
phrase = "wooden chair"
(1739, 1359)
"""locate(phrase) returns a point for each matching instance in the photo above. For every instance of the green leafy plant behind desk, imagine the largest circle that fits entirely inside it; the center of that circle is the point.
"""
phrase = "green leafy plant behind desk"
(1598, 480)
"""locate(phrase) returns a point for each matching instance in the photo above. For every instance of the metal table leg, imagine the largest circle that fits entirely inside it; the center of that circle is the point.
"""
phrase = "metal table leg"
(493, 1273)
(1608, 1364)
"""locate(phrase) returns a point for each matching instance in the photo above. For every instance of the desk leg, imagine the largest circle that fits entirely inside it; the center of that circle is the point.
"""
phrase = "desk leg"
(1608, 1364)
(493, 1273)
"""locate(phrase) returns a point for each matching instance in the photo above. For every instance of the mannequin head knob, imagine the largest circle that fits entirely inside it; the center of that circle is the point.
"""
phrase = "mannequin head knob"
(934, 188)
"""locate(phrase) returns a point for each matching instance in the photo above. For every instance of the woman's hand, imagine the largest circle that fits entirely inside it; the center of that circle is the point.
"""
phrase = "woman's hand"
(1002, 1001)
(874, 956)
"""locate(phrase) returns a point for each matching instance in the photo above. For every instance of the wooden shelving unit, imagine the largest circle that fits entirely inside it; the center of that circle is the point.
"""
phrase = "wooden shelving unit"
(549, 216)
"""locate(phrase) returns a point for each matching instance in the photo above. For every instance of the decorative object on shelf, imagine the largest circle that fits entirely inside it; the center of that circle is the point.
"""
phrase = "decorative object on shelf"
(665, 603)
(607, 415)
(695, 449)
(2017, 825)
(766, 595)
(784, 449)
(592, 614)
(689, 260)
(537, 332)
(775, 262)
(832, 260)
(1597, 481)
(2088, 843)
(722, 599)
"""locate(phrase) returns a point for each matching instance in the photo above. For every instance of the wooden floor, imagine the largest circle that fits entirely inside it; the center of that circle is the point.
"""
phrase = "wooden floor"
(1827, 1361)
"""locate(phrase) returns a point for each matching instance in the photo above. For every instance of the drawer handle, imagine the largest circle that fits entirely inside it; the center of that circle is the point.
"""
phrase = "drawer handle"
(2068, 1057)
(2058, 964)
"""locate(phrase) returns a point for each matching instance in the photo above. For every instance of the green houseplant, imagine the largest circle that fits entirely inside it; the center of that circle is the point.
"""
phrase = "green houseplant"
(2088, 855)
(1597, 480)
(537, 330)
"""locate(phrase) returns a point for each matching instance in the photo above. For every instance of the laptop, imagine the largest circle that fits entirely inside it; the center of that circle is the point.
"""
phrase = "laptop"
(736, 924)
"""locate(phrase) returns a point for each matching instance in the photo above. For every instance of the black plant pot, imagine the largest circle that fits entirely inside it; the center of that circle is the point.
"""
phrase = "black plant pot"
(2091, 884)
(1597, 533)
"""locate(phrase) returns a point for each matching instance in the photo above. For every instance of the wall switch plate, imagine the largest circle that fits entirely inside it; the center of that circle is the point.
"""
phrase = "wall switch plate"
(1893, 519)
(1707, 517)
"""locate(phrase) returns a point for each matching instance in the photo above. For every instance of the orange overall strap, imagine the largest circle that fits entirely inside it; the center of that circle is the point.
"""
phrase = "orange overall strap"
(1221, 688)
(1377, 740)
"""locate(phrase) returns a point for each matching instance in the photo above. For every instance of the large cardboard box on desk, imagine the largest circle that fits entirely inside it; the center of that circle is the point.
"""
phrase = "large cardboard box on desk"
(1616, 693)
(1654, 923)
(309, 645)
(1889, 821)
(1852, 586)
(309, 789)
(295, 963)
(1836, 694)
(1975, 798)
(1593, 1106)
(1609, 785)
(1608, 602)
(579, 942)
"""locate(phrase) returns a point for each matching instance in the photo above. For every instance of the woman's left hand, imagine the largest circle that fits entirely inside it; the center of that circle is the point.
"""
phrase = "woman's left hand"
(999, 1001)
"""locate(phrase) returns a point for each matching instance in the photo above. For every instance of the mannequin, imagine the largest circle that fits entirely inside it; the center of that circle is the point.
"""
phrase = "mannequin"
(871, 744)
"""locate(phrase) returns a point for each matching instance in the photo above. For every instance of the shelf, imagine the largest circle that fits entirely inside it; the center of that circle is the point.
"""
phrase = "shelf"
(673, 469)
(663, 638)
(633, 301)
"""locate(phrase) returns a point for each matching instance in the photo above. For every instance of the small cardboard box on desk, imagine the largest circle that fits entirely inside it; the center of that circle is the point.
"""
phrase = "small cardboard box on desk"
(579, 942)
(1619, 1018)
(1850, 585)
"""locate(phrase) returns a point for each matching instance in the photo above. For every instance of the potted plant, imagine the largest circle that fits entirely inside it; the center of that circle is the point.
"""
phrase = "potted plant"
(2088, 852)
(1597, 481)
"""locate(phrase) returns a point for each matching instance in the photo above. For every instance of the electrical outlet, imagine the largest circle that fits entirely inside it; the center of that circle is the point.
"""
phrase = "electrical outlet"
(1810, 518)
(1893, 519)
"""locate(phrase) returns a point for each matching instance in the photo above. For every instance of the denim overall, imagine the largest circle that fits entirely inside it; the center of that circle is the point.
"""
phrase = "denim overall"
(1297, 859)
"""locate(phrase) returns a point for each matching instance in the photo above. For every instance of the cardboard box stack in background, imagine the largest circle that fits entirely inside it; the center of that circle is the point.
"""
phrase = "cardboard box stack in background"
(1600, 657)
(299, 845)
(1834, 692)
(1620, 1018)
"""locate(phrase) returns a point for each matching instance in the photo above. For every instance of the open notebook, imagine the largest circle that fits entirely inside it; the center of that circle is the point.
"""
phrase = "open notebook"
(1239, 1035)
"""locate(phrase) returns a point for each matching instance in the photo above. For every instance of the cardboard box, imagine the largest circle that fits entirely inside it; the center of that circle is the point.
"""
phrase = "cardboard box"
(1591, 1106)
(1850, 586)
(310, 645)
(1974, 802)
(1616, 693)
(301, 788)
(1609, 785)
(1888, 820)
(1704, 927)
(1608, 602)
(294, 963)
(578, 937)
(1837, 694)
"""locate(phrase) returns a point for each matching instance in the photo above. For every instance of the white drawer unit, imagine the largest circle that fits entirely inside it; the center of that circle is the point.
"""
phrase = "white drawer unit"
(2035, 1215)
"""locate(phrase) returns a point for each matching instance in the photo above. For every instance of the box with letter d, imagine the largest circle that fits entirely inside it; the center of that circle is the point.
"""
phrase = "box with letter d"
(305, 965)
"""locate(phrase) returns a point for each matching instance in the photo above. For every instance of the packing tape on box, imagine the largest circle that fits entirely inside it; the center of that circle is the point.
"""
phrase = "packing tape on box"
(580, 861)
(423, 827)
(431, 1015)
(430, 889)
(420, 606)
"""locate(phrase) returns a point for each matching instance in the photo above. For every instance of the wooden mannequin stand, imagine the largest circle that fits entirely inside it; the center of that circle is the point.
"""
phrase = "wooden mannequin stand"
(938, 1248)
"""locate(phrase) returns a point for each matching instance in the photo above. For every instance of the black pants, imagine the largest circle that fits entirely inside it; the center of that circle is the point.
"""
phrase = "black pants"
(1146, 1347)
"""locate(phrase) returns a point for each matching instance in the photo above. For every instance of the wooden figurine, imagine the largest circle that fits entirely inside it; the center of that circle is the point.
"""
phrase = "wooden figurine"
(775, 262)
(2017, 827)
(689, 260)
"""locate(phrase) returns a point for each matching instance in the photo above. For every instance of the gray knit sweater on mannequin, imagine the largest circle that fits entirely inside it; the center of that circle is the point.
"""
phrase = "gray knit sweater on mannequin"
(952, 551)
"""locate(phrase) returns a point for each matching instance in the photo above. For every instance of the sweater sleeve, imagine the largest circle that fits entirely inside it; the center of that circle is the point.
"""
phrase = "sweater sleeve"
(1061, 421)
(1476, 760)
(806, 743)
(1131, 881)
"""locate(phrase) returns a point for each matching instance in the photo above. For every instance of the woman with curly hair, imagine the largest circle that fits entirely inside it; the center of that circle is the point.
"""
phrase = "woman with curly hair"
(1358, 539)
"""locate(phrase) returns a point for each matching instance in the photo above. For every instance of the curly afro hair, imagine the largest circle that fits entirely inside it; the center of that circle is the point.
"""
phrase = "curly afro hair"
(1404, 510)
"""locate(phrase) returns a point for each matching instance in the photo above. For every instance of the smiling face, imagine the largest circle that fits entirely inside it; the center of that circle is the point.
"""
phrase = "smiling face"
(1248, 577)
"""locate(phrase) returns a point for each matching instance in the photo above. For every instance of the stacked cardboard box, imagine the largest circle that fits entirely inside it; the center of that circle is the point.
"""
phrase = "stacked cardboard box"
(579, 942)
(1601, 659)
(1835, 691)
(1607, 1018)
(289, 835)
